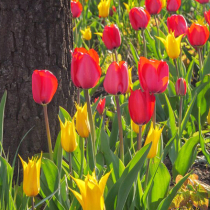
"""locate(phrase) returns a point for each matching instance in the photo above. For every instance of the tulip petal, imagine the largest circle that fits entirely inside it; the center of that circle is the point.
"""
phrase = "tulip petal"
(103, 180)
(78, 197)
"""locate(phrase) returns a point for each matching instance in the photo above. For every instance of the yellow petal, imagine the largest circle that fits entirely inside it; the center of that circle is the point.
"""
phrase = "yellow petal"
(100, 34)
(79, 198)
(103, 180)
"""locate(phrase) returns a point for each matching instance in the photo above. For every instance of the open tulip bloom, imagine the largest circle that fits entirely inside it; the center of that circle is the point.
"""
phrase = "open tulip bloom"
(103, 8)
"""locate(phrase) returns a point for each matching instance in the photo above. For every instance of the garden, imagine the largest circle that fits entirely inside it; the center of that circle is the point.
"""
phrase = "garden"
(139, 138)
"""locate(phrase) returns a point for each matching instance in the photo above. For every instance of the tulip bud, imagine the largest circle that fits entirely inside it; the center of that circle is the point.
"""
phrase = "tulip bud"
(111, 37)
(112, 11)
(203, 1)
(173, 5)
(116, 79)
(101, 105)
(68, 135)
(143, 100)
(82, 123)
(153, 75)
(139, 18)
(76, 8)
(103, 8)
(86, 34)
(44, 86)
(181, 87)
(85, 69)
(177, 24)
(207, 16)
(31, 176)
(153, 6)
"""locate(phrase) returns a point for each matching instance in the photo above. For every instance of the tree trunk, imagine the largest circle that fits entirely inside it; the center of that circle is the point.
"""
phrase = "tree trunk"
(34, 34)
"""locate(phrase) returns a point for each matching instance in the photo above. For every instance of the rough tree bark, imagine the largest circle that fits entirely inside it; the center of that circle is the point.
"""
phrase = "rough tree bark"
(34, 34)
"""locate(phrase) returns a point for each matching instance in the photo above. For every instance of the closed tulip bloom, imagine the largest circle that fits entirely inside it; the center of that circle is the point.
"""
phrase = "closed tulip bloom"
(85, 69)
(203, 1)
(101, 105)
(153, 136)
(207, 16)
(44, 86)
(177, 24)
(153, 6)
(197, 34)
(31, 176)
(139, 18)
(91, 192)
(141, 106)
(208, 117)
(173, 5)
(103, 8)
(112, 10)
(111, 37)
(172, 45)
(135, 127)
(153, 75)
(86, 34)
(68, 135)
(130, 83)
(82, 123)
(181, 87)
(116, 79)
(76, 8)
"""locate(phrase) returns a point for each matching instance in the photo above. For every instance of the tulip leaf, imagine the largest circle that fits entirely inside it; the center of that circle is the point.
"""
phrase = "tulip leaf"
(206, 65)
(165, 203)
(63, 114)
(186, 156)
(114, 132)
(94, 106)
(134, 53)
(2, 107)
(93, 90)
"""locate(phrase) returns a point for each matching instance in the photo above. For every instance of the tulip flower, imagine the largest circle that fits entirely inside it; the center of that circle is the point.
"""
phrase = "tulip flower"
(177, 24)
(139, 18)
(130, 84)
(103, 8)
(173, 5)
(208, 117)
(82, 123)
(68, 135)
(153, 75)
(112, 11)
(126, 7)
(76, 8)
(197, 34)
(181, 87)
(153, 6)
(31, 176)
(207, 16)
(135, 127)
(44, 86)
(203, 1)
(116, 79)
(111, 37)
(85, 69)
(101, 105)
(143, 101)
(86, 34)
(172, 45)
(153, 136)
(91, 192)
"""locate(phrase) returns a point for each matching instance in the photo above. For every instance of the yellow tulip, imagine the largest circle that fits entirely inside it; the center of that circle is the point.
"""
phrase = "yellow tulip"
(91, 192)
(208, 117)
(135, 127)
(172, 45)
(68, 135)
(127, 7)
(130, 85)
(103, 8)
(153, 136)
(31, 176)
(82, 123)
(163, 3)
(86, 34)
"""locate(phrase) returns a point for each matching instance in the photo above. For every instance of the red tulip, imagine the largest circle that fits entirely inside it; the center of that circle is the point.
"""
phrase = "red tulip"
(141, 106)
(197, 34)
(116, 80)
(153, 75)
(101, 105)
(207, 16)
(111, 37)
(76, 8)
(203, 1)
(112, 10)
(44, 86)
(181, 87)
(153, 6)
(177, 24)
(139, 18)
(173, 5)
(85, 69)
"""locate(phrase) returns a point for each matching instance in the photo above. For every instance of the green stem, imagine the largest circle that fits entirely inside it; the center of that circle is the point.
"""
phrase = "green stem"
(92, 127)
(200, 61)
(158, 34)
(180, 121)
(176, 66)
(81, 144)
(32, 203)
(48, 131)
(120, 128)
(78, 96)
(154, 116)
(147, 174)
(70, 170)
(139, 138)
(115, 52)
(144, 41)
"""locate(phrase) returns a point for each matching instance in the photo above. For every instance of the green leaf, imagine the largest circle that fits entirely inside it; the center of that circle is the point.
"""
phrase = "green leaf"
(114, 133)
(206, 69)
(64, 114)
(134, 53)
(94, 106)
